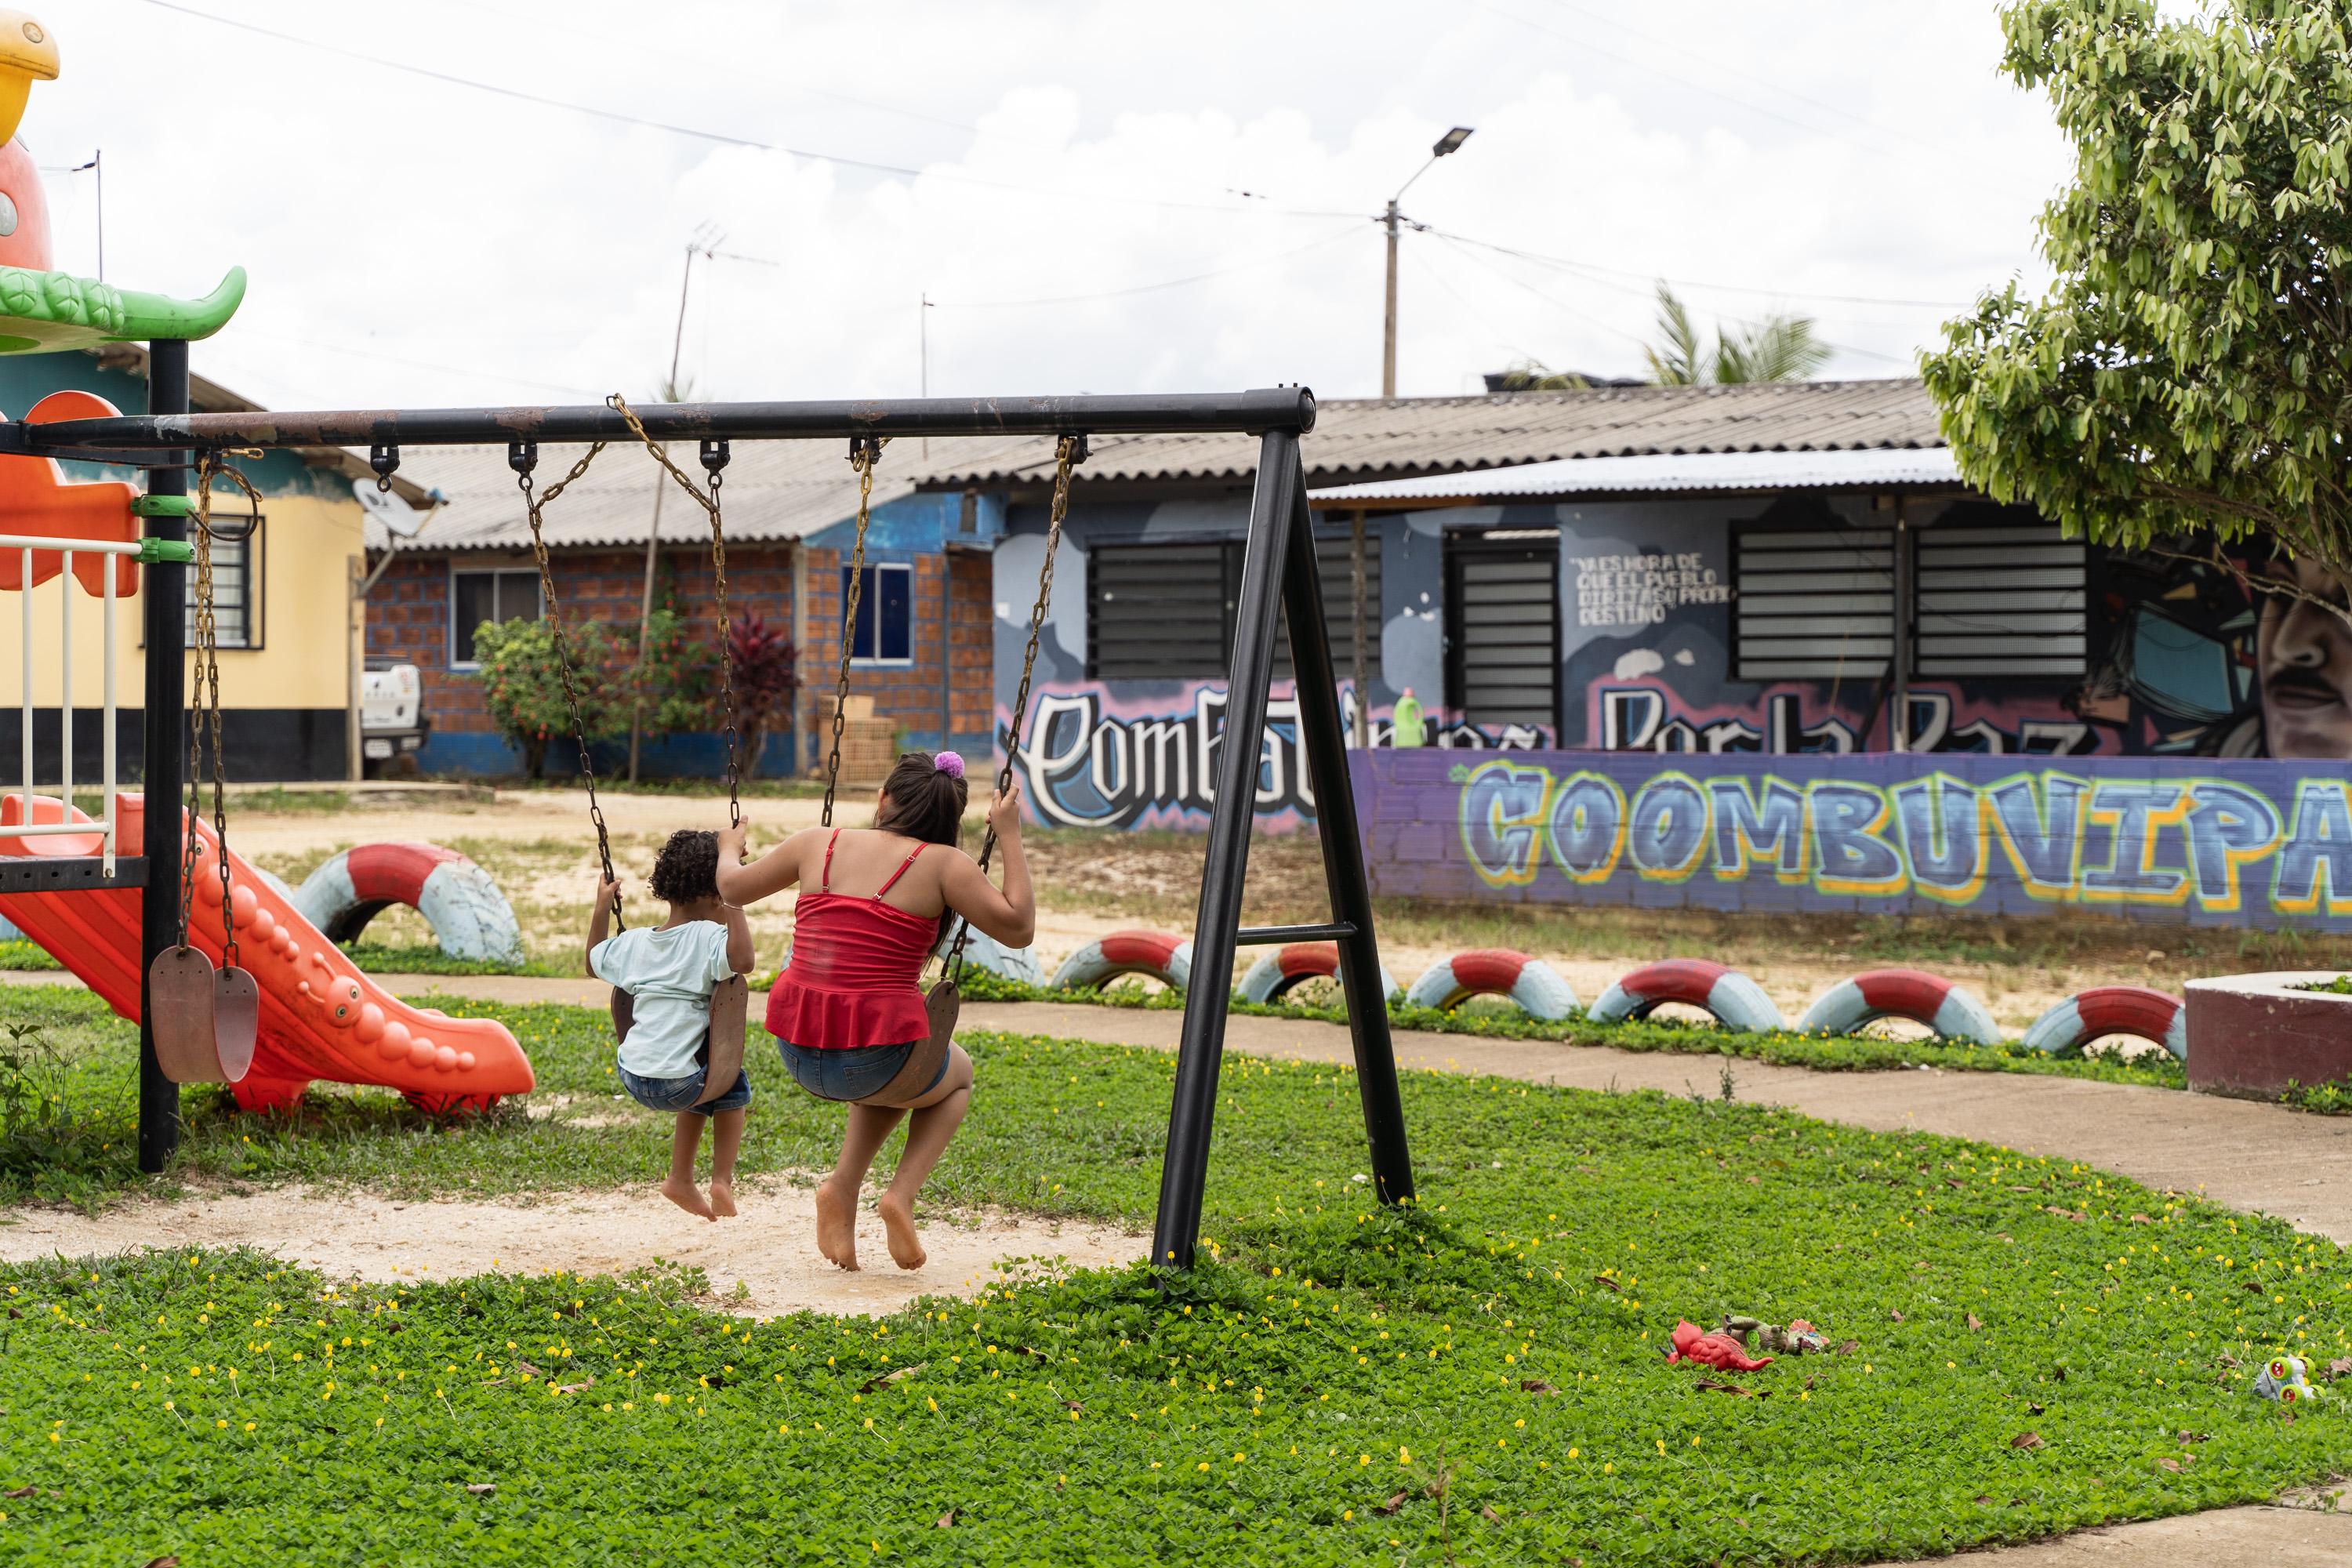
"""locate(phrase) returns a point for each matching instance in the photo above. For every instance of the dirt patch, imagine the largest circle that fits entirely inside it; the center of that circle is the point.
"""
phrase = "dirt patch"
(769, 1250)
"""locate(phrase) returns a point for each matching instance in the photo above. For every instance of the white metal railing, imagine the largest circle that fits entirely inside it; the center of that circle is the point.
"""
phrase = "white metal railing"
(108, 821)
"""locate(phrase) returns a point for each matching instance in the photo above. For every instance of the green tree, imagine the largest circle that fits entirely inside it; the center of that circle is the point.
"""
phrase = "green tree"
(522, 689)
(678, 676)
(2189, 370)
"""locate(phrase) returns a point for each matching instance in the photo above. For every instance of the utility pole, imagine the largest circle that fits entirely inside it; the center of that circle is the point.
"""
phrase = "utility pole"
(704, 243)
(1388, 319)
(1392, 220)
(923, 338)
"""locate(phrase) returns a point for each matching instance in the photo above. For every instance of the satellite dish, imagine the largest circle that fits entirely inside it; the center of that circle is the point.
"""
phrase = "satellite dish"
(399, 518)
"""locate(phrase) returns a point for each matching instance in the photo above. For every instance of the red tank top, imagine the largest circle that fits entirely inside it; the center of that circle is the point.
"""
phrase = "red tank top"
(851, 980)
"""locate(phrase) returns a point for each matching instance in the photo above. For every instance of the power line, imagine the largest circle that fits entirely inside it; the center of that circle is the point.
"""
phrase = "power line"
(1863, 121)
(721, 138)
(1149, 288)
(1571, 265)
(1733, 98)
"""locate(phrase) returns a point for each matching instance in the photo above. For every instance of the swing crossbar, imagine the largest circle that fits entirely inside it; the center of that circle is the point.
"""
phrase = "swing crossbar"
(1289, 408)
(1269, 936)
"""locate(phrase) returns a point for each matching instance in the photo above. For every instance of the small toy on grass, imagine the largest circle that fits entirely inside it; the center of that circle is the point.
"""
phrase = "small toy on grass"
(1799, 1338)
(2284, 1380)
(1691, 1343)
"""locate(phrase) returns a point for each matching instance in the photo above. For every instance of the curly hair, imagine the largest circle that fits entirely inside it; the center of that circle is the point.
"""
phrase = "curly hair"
(687, 871)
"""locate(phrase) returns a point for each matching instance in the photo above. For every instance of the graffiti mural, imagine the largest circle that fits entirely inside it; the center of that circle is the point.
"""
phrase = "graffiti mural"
(2255, 842)
(1091, 759)
(1648, 716)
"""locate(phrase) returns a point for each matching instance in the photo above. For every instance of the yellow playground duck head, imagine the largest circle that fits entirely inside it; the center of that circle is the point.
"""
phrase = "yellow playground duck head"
(27, 55)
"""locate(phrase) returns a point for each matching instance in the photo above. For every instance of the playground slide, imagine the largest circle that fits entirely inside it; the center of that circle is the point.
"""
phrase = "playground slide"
(320, 1018)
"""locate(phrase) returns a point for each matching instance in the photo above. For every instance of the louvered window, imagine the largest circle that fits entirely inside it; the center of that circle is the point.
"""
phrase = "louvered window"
(2004, 599)
(1165, 612)
(1814, 604)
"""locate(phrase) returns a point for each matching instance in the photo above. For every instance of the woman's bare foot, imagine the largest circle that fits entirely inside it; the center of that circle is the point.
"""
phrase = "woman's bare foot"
(836, 1224)
(898, 1224)
(686, 1196)
(722, 1200)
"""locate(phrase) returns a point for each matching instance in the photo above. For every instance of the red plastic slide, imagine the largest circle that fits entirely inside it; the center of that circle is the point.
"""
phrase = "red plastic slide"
(320, 1018)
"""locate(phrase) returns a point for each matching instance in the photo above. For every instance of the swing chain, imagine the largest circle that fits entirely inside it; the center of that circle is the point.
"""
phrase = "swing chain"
(1069, 451)
(522, 457)
(865, 451)
(205, 711)
(715, 454)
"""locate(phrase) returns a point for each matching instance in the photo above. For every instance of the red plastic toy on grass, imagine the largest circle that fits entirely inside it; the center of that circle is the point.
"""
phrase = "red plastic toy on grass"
(1691, 1343)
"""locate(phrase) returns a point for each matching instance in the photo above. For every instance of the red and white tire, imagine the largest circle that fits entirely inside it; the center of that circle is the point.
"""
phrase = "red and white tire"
(2103, 1010)
(1163, 955)
(1951, 1011)
(1736, 1002)
(1276, 972)
(469, 916)
(1539, 989)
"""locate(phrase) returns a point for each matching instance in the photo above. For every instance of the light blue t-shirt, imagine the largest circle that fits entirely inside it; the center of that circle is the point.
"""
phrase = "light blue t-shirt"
(669, 973)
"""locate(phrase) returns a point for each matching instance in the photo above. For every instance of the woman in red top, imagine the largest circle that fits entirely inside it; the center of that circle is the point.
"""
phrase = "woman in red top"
(847, 1010)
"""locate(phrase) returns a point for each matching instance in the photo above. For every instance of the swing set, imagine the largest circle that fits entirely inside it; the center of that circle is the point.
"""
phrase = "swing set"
(1278, 580)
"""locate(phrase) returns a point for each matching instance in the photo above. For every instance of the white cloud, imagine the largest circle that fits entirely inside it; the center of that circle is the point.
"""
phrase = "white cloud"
(488, 250)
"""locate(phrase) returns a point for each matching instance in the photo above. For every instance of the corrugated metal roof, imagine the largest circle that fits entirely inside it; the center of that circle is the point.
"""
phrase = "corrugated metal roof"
(774, 491)
(1658, 471)
(1367, 439)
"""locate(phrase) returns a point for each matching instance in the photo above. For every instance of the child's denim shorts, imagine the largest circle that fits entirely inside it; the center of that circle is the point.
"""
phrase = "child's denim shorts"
(852, 1074)
(680, 1093)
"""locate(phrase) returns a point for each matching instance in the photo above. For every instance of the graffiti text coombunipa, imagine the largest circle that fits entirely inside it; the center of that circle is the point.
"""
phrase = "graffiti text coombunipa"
(2201, 845)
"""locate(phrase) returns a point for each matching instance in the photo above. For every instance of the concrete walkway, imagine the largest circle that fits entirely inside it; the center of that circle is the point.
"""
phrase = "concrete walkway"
(2257, 1158)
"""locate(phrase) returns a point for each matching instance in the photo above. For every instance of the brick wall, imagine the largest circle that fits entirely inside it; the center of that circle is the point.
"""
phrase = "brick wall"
(408, 619)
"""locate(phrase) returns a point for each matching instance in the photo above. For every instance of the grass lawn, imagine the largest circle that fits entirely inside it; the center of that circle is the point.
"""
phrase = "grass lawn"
(1479, 1377)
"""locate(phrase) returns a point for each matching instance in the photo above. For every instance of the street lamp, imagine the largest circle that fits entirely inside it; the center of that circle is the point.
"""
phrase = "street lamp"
(1447, 145)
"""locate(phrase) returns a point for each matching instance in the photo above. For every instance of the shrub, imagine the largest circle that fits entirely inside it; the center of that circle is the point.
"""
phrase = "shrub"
(524, 693)
(766, 674)
(679, 676)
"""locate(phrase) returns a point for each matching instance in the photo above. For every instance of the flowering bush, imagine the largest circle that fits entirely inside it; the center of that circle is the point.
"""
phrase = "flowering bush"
(766, 679)
(677, 678)
(522, 689)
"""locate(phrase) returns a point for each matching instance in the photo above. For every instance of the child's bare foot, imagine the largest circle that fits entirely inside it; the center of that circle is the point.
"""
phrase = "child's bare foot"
(685, 1196)
(898, 1224)
(836, 1224)
(722, 1200)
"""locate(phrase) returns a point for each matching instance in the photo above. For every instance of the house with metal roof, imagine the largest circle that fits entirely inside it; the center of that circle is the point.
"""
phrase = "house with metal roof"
(1763, 568)
(1771, 567)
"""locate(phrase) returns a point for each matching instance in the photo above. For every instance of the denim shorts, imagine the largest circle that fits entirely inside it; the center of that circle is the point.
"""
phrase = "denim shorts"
(680, 1093)
(853, 1074)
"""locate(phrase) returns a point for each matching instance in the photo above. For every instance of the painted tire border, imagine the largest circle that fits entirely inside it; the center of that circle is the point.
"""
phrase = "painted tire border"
(470, 915)
(2135, 1010)
(1736, 1001)
(1541, 991)
(1277, 972)
(1161, 955)
(983, 952)
(1951, 1010)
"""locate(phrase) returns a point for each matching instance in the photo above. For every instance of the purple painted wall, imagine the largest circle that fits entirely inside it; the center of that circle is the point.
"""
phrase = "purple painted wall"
(2208, 842)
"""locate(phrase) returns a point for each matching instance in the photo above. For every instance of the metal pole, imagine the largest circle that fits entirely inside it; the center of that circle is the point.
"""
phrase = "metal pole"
(1387, 322)
(652, 535)
(1184, 1170)
(1320, 738)
(165, 613)
(1123, 414)
(1363, 688)
(1901, 726)
(354, 662)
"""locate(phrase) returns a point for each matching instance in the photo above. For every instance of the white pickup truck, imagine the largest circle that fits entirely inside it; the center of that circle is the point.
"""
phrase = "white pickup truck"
(392, 725)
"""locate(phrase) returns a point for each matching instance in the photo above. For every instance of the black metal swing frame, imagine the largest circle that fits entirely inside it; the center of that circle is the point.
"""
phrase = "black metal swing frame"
(1278, 579)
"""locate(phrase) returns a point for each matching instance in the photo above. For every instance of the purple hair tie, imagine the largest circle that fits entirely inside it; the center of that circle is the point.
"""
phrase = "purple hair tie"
(949, 764)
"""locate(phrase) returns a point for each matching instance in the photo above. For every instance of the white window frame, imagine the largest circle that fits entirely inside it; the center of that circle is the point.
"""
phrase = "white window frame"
(878, 568)
(481, 569)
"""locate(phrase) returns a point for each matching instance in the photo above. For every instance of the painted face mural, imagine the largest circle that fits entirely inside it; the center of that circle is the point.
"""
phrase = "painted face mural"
(2304, 655)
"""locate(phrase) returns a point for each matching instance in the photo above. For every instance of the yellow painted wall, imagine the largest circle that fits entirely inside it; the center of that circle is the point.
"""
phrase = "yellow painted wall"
(310, 629)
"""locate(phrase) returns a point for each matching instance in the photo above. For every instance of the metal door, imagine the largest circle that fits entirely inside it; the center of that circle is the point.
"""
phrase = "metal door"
(1502, 626)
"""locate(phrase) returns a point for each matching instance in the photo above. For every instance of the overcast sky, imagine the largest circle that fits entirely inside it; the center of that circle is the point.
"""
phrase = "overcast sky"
(420, 241)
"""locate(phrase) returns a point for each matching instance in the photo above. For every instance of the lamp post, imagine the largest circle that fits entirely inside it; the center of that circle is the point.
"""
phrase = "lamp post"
(1448, 144)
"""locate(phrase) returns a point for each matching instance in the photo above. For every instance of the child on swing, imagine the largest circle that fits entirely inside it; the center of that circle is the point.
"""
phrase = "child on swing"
(846, 1011)
(669, 971)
